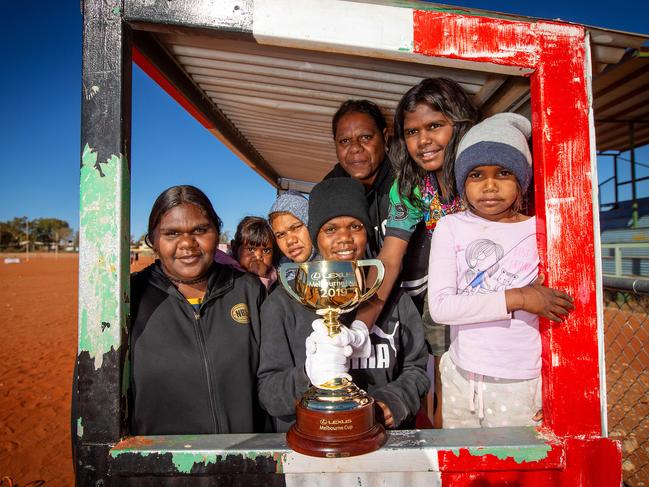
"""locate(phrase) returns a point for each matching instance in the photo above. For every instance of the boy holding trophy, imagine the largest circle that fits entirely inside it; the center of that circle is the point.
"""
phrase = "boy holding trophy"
(388, 361)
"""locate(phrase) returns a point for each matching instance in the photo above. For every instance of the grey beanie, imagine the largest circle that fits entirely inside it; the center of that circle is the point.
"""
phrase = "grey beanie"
(336, 197)
(500, 140)
(291, 202)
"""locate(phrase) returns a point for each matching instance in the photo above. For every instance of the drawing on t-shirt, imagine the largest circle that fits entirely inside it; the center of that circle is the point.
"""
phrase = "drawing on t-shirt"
(483, 257)
(504, 280)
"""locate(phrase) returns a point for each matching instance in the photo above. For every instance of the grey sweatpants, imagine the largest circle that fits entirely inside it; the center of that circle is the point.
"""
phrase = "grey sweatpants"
(480, 401)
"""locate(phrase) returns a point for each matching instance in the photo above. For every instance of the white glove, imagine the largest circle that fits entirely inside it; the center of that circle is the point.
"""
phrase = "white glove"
(357, 336)
(325, 360)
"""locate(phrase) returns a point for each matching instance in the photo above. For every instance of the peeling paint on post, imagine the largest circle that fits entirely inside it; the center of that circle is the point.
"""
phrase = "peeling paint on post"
(519, 456)
(563, 192)
(103, 205)
(184, 461)
(104, 237)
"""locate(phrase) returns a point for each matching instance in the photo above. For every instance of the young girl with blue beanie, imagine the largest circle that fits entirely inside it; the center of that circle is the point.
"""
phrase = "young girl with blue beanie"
(484, 283)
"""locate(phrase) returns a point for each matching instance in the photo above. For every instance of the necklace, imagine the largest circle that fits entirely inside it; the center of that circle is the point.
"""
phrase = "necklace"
(435, 208)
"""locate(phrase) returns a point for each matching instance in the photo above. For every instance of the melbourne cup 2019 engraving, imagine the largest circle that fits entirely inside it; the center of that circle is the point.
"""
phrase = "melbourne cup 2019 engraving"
(335, 419)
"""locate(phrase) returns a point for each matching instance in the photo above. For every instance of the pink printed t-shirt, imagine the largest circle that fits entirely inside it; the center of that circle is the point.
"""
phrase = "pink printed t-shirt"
(472, 262)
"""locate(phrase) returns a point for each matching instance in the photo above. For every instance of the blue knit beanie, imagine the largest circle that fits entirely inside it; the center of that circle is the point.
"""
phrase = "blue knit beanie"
(291, 202)
(500, 140)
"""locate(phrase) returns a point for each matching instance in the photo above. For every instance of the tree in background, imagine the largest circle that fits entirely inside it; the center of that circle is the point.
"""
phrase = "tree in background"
(225, 237)
(8, 236)
(15, 233)
(49, 230)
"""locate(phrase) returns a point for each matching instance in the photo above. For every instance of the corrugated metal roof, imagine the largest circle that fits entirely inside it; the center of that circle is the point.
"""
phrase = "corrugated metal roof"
(621, 96)
(281, 99)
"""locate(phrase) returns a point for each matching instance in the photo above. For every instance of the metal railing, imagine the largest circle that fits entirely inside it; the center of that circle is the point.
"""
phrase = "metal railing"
(626, 340)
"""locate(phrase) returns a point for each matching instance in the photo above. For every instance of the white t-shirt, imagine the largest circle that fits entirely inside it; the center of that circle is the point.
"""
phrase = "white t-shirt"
(472, 262)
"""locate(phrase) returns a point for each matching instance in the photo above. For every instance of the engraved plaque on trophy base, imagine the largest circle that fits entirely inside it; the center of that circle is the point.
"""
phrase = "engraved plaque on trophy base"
(332, 427)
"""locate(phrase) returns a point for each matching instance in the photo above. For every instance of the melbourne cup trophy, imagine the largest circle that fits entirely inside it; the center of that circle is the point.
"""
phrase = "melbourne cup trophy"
(334, 419)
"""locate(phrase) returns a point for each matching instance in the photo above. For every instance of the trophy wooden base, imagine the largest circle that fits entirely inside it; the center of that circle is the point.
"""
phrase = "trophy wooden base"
(336, 434)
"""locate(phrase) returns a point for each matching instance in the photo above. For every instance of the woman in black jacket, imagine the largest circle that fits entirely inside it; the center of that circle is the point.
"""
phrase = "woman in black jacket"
(194, 339)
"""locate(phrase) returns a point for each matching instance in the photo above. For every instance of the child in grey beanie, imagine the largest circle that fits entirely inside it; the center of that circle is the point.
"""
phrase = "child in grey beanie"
(291, 202)
(483, 282)
(500, 140)
(289, 217)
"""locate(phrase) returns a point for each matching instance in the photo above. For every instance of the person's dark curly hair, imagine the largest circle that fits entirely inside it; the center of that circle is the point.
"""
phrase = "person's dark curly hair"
(359, 106)
(443, 95)
(256, 232)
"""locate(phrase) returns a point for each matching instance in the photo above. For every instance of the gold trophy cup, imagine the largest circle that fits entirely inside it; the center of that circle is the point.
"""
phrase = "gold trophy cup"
(335, 419)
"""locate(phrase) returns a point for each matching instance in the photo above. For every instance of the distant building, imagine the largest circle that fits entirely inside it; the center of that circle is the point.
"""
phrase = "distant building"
(625, 249)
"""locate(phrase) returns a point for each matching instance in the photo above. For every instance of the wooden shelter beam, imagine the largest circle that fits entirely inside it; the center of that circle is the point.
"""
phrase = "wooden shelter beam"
(224, 16)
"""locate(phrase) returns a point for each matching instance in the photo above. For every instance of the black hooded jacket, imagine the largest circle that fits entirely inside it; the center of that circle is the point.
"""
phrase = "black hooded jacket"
(195, 372)
(395, 373)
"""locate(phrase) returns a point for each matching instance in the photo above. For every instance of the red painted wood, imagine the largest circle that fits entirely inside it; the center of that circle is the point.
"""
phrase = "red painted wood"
(153, 72)
(483, 39)
(563, 188)
(537, 478)
(463, 460)
(563, 191)
(593, 463)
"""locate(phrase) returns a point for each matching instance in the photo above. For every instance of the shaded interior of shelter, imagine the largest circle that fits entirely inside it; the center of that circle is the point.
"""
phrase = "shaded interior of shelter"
(621, 102)
(278, 97)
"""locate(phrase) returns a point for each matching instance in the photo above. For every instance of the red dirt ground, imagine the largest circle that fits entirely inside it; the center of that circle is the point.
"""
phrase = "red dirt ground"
(38, 326)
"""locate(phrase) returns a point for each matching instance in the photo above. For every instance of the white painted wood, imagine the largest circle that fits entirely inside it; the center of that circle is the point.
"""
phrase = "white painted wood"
(599, 289)
(366, 27)
(384, 460)
(379, 479)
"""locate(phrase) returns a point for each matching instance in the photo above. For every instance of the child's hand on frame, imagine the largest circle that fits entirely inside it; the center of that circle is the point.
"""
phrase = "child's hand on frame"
(540, 300)
(384, 415)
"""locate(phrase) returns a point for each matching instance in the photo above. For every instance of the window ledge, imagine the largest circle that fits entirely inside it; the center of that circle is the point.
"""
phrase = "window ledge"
(406, 451)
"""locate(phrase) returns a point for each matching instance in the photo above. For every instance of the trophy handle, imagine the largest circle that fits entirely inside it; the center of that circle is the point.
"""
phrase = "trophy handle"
(287, 266)
(379, 278)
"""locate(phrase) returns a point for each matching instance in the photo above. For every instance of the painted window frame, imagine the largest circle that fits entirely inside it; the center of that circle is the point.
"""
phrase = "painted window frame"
(556, 58)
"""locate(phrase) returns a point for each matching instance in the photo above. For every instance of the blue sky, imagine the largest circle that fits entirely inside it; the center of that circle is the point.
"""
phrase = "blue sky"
(40, 122)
